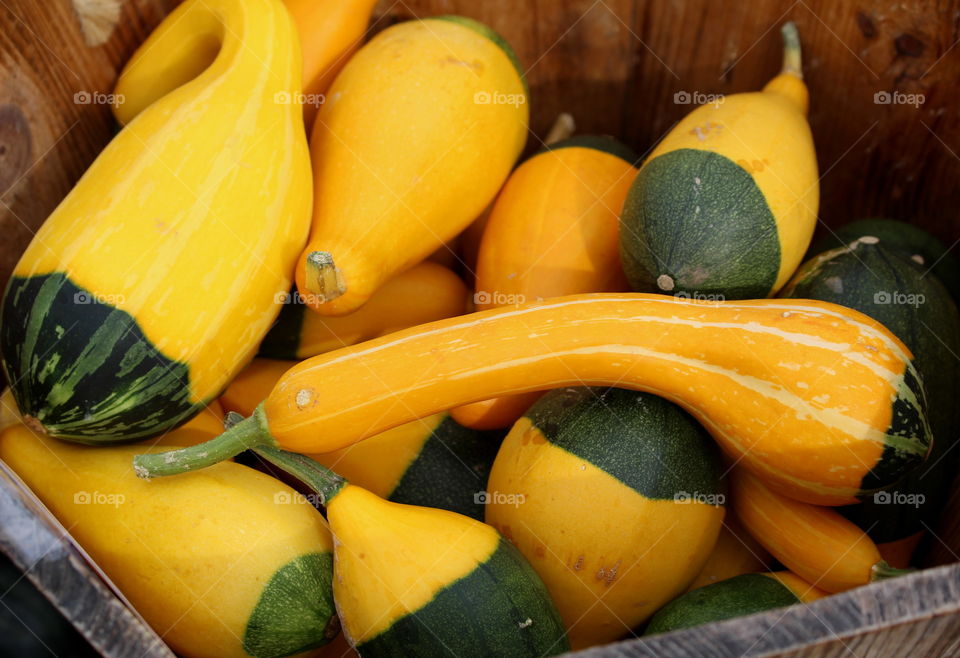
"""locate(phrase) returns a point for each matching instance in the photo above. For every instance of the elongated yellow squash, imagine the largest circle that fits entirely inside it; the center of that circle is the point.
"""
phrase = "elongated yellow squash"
(228, 562)
(416, 136)
(152, 282)
(821, 401)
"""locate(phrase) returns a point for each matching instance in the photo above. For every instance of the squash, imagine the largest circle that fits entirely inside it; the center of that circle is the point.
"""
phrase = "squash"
(824, 444)
(912, 241)
(126, 314)
(608, 493)
(742, 595)
(894, 289)
(725, 205)
(432, 461)
(734, 554)
(220, 563)
(330, 31)
(417, 581)
(816, 543)
(424, 293)
(416, 136)
(554, 230)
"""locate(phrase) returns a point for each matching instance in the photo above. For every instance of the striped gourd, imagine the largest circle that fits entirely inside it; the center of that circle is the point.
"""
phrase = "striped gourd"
(822, 401)
(150, 285)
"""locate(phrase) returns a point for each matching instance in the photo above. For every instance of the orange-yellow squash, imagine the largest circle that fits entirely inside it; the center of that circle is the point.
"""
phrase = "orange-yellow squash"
(416, 135)
(821, 401)
(735, 553)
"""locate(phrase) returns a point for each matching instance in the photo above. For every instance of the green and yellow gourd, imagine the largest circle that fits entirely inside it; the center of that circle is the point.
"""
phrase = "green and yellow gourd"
(432, 461)
(742, 595)
(418, 581)
(727, 202)
(126, 313)
(417, 134)
(228, 562)
(894, 289)
(615, 499)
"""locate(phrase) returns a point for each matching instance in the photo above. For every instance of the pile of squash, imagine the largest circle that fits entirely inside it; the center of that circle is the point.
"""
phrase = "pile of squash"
(396, 393)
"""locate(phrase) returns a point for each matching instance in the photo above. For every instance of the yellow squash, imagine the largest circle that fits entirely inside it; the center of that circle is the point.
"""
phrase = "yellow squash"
(416, 136)
(734, 554)
(228, 562)
(153, 281)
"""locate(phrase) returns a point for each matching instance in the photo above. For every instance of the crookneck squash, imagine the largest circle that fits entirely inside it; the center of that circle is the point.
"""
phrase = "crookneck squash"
(227, 562)
(417, 134)
(814, 542)
(554, 230)
(153, 281)
(821, 401)
(726, 204)
(424, 293)
(608, 493)
(417, 581)
(742, 595)
(432, 461)
(883, 282)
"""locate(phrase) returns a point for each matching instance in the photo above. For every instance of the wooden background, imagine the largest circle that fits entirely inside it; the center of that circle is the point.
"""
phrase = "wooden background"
(615, 64)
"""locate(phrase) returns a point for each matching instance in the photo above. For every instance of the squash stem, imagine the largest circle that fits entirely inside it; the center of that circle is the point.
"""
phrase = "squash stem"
(248, 433)
(791, 50)
(323, 277)
(881, 571)
(318, 477)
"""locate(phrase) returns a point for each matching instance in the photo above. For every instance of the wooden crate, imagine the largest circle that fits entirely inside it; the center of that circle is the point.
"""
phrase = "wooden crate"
(616, 65)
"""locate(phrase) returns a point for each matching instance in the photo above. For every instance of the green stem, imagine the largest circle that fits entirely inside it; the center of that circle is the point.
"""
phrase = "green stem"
(881, 571)
(791, 49)
(323, 276)
(248, 433)
(318, 477)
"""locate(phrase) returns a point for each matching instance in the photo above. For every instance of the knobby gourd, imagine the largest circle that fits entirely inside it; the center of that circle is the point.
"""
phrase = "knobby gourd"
(742, 595)
(432, 461)
(123, 318)
(820, 400)
(554, 230)
(734, 554)
(814, 542)
(874, 277)
(330, 31)
(615, 499)
(227, 562)
(727, 202)
(424, 293)
(416, 136)
(417, 581)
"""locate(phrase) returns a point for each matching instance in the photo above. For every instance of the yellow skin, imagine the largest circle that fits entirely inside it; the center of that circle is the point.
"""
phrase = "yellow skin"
(192, 554)
(609, 556)
(767, 134)
(734, 554)
(801, 588)
(403, 155)
(192, 217)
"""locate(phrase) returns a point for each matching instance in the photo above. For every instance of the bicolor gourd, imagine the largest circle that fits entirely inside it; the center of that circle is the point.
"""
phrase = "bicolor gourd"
(122, 318)
(862, 427)
(228, 562)
(417, 134)
(726, 204)
(553, 230)
(417, 581)
(615, 499)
